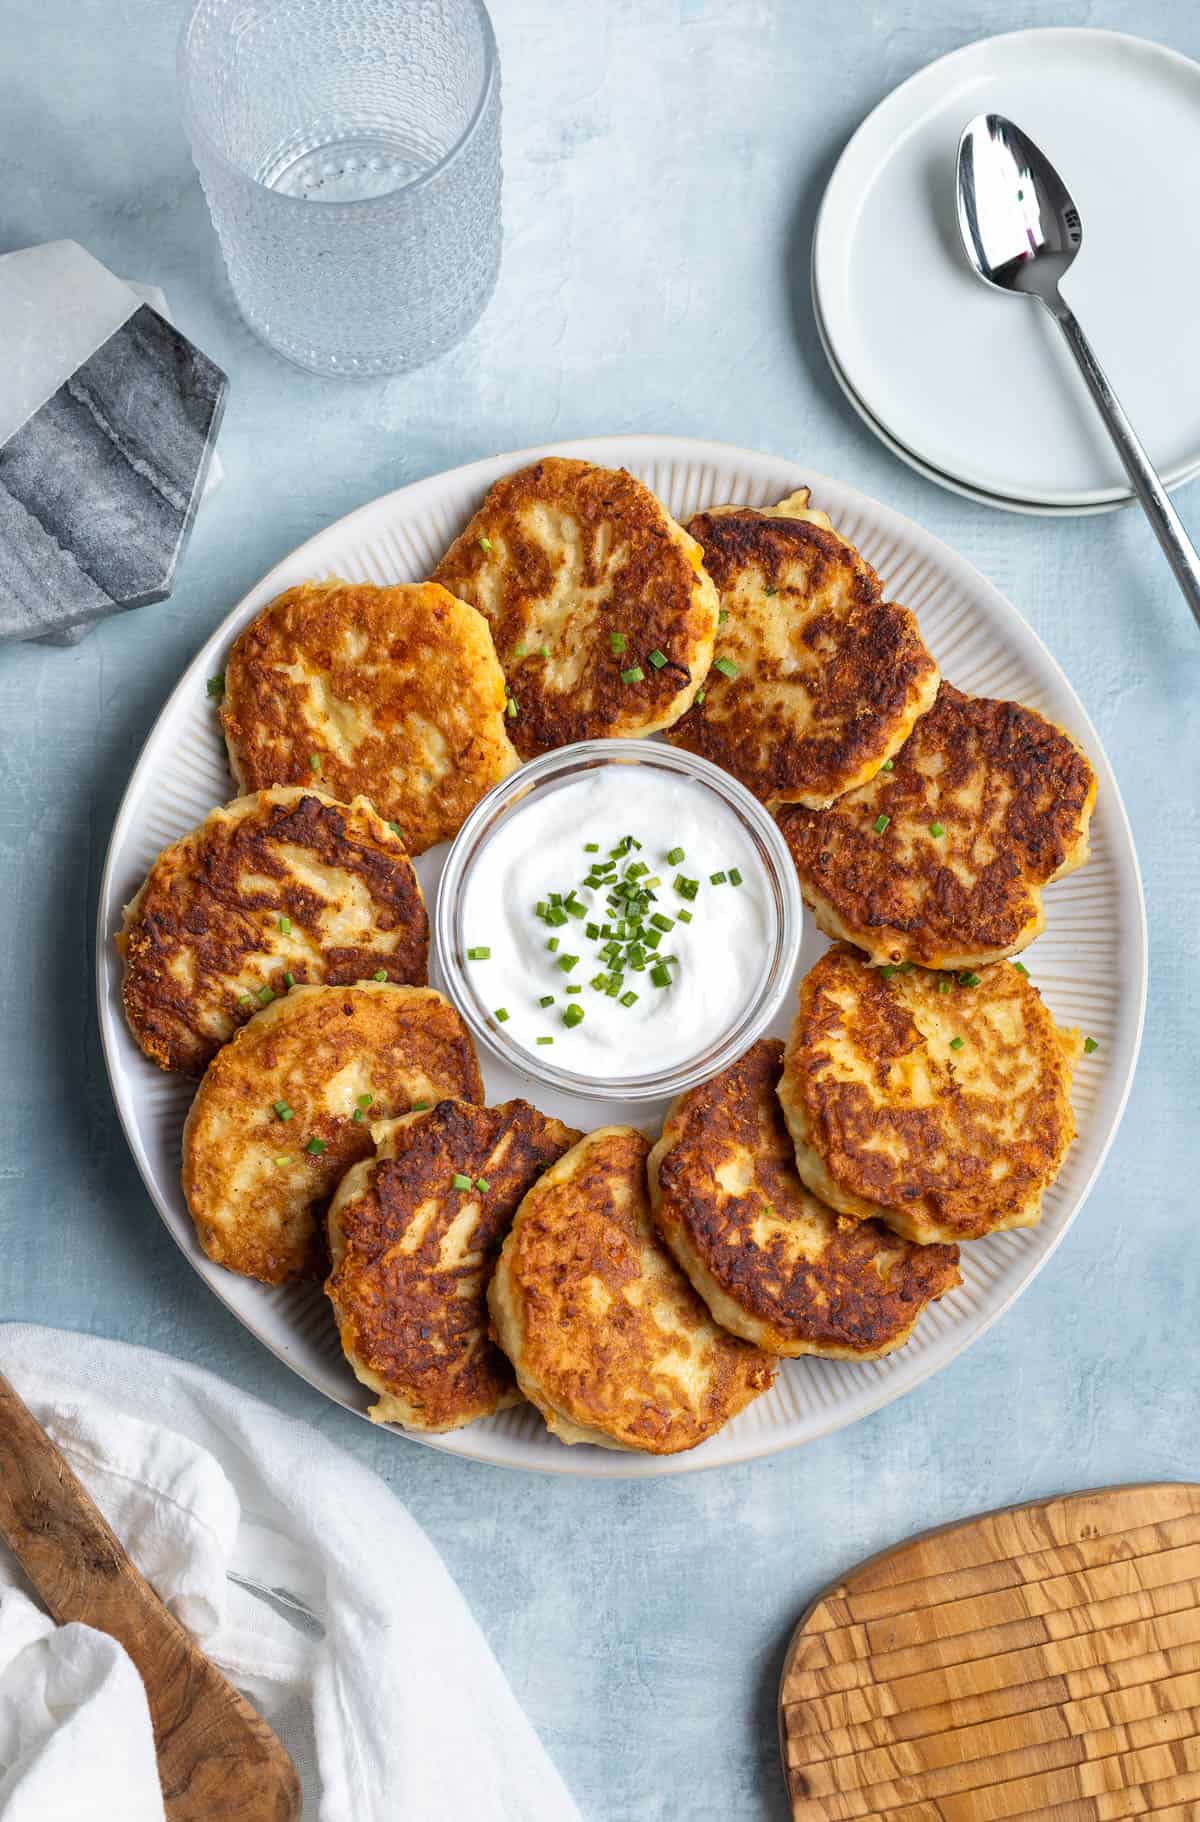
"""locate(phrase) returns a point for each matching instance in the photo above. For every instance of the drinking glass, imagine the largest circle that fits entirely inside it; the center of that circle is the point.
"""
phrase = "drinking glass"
(350, 155)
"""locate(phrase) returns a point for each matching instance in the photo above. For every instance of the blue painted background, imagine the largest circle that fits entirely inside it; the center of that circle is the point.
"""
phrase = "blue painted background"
(663, 164)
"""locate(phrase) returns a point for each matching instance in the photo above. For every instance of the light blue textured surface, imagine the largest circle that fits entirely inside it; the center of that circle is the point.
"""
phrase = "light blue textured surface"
(663, 165)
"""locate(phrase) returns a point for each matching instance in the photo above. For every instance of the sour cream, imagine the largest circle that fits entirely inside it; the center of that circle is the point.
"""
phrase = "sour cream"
(546, 846)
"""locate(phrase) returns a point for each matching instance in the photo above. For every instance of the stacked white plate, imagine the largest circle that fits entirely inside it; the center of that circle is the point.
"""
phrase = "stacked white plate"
(977, 391)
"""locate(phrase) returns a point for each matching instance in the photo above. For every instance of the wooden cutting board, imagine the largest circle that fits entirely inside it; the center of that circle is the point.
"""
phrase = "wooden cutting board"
(1043, 1661)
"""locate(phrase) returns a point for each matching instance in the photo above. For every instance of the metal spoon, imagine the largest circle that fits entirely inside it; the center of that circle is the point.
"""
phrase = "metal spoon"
(1021, 231)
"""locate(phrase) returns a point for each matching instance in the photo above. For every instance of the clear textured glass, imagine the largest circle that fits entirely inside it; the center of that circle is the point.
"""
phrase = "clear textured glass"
(780, 952)
(350, 155)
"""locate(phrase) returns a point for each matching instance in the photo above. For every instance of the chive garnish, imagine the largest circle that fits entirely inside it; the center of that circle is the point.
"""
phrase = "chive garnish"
(945, 985)
(289, 979)
(265, 995)
(397, 831)
(686, 888)
(510, 707)
(889, 765)
(675, 856)
(552, 945)
(629, 999)
(685, 917)
(315, 1147)
(735, 877)
(573, 1016)
(700, 695)
(634, 674)
(937, 829)
(660, 974)
(482, 1185)
(501, 1015)
(283, 1111)
(591, 847)
(480, 953)
(617, 641)
(717, 879)
(245, 999)
(567, 962)
(281, 1161)
(1021, 968)
(726, 666)
(380, 974)
(420, 1107)
(969, 980)
(216, 685)
(365, 1100)
(662, 922)
(881, 823)
(722, 616)
(545, 1040)
(314, 760)
(358, 1116)
(957, 1043)
(658, 659)
(285, 926)
(572, 987)
(460, 1181)
(485, 544)
(1090, 1044)
(547, 999)
(771, 590)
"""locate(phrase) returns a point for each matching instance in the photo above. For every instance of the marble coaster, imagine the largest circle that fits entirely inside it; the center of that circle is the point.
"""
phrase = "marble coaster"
(104, 448)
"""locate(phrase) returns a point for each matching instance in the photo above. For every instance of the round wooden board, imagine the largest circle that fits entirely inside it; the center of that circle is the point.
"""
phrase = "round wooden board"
(1042, 1661)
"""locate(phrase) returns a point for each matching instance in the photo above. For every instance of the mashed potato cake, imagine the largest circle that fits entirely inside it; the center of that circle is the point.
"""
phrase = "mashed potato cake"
(600, 608)
(940, 1105)
(773, 1264)
(817, 679)
(414, 1233)
(286, 1108)
(942, 859)
(607, 1336)
(394, 694)
(281, 887)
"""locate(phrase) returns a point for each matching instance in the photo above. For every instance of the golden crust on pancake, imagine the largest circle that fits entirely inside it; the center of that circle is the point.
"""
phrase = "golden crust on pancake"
(775, 1265)
(829, 678)
(607, 1336)
(312, 1070)
(943, 1109)
(281, 882)
(412, 1257)
(394, 694)
(561, 557)
(1010, 796)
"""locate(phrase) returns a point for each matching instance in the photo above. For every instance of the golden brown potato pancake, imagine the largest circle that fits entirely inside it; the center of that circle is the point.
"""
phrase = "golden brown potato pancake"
(607, 1336)
(942, 859)
(285, 1109)
(412, 1256)
(817, 679)
(599, 605)
(281, 883)
(940, 1107)
(394, 694)
(775, 1265)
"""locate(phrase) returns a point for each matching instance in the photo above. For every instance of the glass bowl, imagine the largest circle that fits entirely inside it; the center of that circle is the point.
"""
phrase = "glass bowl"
(784, 917)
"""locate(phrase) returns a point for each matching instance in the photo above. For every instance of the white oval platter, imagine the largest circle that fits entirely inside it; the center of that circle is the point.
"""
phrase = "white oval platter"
(1090, 963)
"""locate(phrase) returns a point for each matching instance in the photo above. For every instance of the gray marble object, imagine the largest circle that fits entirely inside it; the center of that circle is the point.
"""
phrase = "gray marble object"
(99, 486)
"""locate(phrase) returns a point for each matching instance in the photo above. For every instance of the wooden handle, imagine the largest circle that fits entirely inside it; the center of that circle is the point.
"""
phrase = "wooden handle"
(218, 1761)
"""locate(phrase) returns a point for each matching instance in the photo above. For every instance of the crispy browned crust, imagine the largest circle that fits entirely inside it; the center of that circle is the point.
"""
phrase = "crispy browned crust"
(314, 1051)
(889, 1119)
(204, 932)
(604, 1310)
(396, 692)
(574, 553)
(808, 1280)
(409, 1285)
(819, 703)
(1014, 796)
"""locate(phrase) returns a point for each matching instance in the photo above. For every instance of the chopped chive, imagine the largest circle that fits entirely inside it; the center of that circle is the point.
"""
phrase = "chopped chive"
(485, 544)
(957, 1043)
(945, 985)
(675, 856)
(1090, 1044)
(246, 999)
(567, 962)
(685, 917)
(552, 945)
(510, 707)
(662, 922)
(521, 651)
(617, 641)
(771, 590)
(545, 1040)
(543, 651)
(658, 659)
(501, 1015)
(573, 987)
(629, 999)
(482, 1185)
(1021, 968)
(365, 1100)
(289, 979)
(881, 823)
(591, 847)
(907, 967)
(726, 666)
(660, 974)
(283, 1111)
(599, 982)
(315, 1147)
(480, 953)
(887, 972)
(722, 616)
(651, 938)
(285, 926)
(547, 999)
(281, 1161)
(735, 878)
(264, 996)
(572, 1016)
(397, 831)
(717, 879)
(358, 1116)
(420, 1107)
(634, 674)
(314, 760)
(460, 1181)
(969, 980)
(686, 888)
(700, 695)
(889, 765)
(592, 932)
(216, 685)
(380, 974)
(937, 830)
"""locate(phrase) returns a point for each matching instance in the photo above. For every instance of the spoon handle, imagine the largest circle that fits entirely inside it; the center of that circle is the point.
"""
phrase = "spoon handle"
(1178, 548)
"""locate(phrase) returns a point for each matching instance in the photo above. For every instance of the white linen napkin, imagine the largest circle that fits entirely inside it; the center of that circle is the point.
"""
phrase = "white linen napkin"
(363, 1657)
